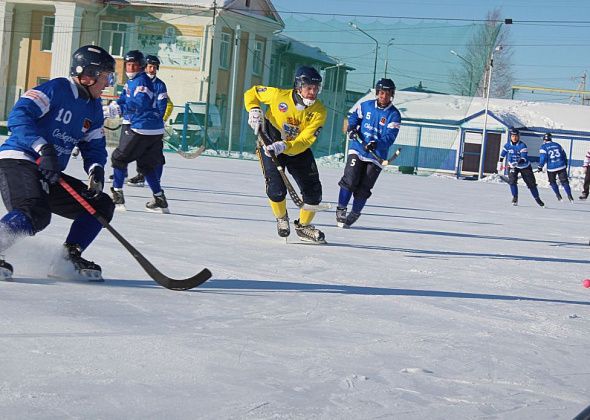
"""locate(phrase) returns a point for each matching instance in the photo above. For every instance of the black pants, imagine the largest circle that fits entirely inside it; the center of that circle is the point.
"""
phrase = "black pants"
(23, 188)
(304, 171)
(562, 174)
(586, 188)
(527, 176)
(359, 177)
(147, 150)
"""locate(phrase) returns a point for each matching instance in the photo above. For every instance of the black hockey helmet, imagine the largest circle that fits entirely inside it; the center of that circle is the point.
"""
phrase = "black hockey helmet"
(306, 75)
(385, 84)
(152, 59)
(135, 56)
(91, 60)
(514, 131)
(548, 137)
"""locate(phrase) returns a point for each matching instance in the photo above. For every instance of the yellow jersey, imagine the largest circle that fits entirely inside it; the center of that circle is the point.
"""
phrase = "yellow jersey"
(299, 126)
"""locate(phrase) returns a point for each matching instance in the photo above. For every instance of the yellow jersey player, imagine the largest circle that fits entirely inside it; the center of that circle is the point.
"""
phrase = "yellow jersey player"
(293, 121)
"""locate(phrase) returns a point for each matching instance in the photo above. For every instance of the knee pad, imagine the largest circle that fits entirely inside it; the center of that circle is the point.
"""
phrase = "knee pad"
(19, 223)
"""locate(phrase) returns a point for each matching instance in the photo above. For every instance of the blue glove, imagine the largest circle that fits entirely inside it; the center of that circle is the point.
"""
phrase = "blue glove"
(48, 164)
(96, 180)
(371, 146)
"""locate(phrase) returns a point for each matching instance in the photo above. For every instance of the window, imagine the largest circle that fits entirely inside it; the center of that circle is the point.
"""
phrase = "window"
(112, 37)
(257, 59)
(224, 50)
(47, 34)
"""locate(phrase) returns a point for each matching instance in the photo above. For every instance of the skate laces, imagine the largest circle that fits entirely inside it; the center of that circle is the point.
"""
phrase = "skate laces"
(283, 222)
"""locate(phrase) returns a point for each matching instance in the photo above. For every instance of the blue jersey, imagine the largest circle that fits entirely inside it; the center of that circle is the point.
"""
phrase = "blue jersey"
(553, 155)
(54, 113)
(518, 155)
(138, 106)
(374, 124)
(161, 95)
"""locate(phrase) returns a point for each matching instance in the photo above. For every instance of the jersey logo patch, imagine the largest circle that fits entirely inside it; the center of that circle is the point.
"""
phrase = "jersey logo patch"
(283, 107)
(382, 121)
(260, 89)
(86, 125)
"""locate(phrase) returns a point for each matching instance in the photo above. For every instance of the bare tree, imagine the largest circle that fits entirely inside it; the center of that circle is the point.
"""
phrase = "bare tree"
(471, 78)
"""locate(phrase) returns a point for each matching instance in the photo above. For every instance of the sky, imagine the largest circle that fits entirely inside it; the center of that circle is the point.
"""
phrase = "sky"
(550, 39)
(443, 302)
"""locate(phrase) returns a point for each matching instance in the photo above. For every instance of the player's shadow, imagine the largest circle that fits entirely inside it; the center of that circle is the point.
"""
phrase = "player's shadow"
(425, 253)
(245, 286)
(471, 236)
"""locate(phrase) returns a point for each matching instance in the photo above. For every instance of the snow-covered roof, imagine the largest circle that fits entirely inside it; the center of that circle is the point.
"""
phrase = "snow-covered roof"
(538, 116)
(303, 50)
(200, 3)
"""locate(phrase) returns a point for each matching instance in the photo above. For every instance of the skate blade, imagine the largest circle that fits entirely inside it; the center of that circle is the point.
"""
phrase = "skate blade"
(159, 210)
(92, 276)
(340, 224)
(5, 275)
(139, 184)
(311, 241)
(120, 207)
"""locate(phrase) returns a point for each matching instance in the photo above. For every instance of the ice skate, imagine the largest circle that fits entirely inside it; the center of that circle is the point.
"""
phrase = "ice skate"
(559, 197)
(137, 181)
(283, 228)
(76, 267)
(350, 219)
(309, 233)
(584, 196)
(515, 201)
(118, 199)
(158, 204)
(5, 270)
(340, 216)
(540, 202)
(570, 198)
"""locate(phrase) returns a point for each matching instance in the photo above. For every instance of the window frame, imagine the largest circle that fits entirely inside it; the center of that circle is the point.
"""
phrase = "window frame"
(225, 46)
(45, 27)
(109, 48)
(258, 58)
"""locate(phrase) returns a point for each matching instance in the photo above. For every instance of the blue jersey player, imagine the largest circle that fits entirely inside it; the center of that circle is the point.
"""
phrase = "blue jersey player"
(163, 104)
(46, 123)
(372, 128)
(517, 161)
(554, 156)
(141, 133)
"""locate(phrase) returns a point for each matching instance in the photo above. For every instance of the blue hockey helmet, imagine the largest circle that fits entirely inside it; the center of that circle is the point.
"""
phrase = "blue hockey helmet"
(152, 59)
(548, 137)
(135, 56)
(306, 75)
(386, 85)
(91, 60)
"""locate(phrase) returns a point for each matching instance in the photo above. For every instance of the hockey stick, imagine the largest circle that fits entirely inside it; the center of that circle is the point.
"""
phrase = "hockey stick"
(383, 162)
(195, 153)
(263, 137)
(164, 281)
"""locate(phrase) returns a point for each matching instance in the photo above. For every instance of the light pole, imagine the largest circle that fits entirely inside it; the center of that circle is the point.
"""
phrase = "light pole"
(470, 69)
(387, 54)
(485, 120)
(376, 49)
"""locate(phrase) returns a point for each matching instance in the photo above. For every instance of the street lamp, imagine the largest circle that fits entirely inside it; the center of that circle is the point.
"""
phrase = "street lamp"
(470, 69)
(376, 49)
(485, 121)
(387, 54)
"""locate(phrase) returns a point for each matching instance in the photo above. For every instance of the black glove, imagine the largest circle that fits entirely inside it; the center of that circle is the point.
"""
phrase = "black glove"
(353, 134)
(48, 164)
(540, 169)
(96, 180)
(371, 146)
